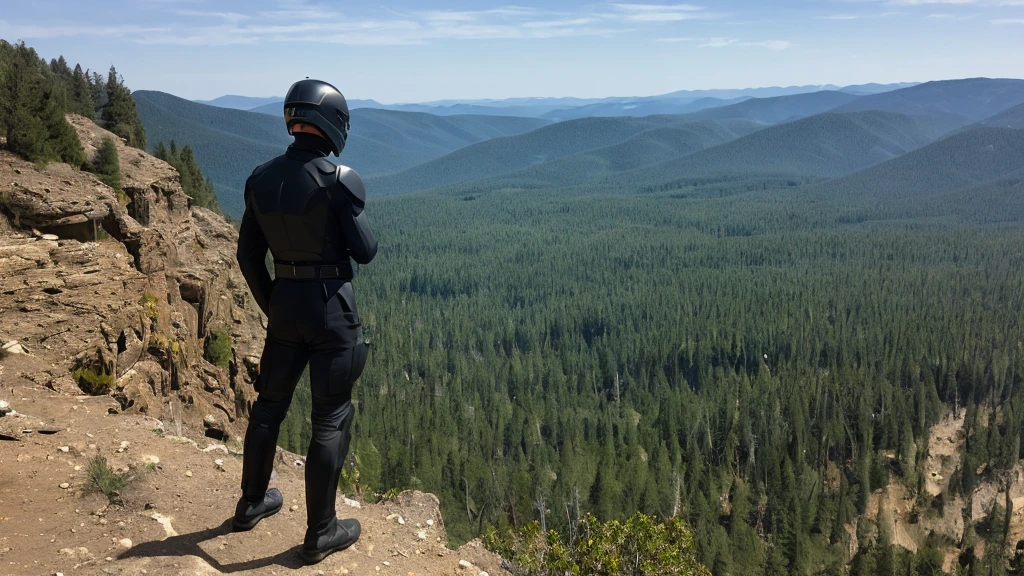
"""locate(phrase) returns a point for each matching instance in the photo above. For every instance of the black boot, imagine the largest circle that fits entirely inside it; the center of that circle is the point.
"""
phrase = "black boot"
(341, 535)
(248, 514)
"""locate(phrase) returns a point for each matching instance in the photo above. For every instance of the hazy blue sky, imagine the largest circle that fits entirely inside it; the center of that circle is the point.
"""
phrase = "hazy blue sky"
(405, 50)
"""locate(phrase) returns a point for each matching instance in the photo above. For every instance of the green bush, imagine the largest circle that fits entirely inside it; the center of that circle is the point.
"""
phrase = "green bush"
(149, 302)
(107, 481)
(92, 382)
(639, 546)
(218, 347)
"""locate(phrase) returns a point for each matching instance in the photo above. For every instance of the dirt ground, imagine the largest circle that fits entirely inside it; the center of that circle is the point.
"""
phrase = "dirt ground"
(175, 519)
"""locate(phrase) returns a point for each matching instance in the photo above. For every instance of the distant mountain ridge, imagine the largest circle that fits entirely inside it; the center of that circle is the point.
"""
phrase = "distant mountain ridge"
(780, 108)
(230, 143)
(820, 146)
(797, 136)
(240, 102)
(567, 108)
(502, 155)
(650, 147)
(250, 102)
(972, 98)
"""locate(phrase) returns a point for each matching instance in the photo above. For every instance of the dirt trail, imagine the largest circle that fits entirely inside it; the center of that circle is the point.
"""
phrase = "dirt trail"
(175, 518)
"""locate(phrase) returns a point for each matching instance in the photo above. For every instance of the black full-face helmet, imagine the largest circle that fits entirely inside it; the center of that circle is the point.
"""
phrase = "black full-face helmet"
(318, 103)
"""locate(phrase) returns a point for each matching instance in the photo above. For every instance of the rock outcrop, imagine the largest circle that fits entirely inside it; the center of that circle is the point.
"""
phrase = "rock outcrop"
(122, 299)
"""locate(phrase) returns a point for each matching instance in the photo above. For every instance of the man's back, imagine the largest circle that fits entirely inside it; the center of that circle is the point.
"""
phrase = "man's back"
(309, 214)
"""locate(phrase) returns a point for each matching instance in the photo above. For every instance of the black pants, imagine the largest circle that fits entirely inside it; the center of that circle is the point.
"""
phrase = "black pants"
(314, 322)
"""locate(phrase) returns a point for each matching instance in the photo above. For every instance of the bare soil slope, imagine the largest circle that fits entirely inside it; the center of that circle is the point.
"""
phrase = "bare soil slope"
(174, 518)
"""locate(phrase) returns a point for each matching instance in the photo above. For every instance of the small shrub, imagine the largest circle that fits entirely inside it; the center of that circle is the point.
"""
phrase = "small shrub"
(161, 343)
(640, 545)
(217, 349)
(106, 480)
(92, 382)
(149, 303)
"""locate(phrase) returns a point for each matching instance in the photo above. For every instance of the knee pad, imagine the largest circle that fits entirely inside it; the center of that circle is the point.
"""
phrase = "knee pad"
(327, 423)
(268, 413)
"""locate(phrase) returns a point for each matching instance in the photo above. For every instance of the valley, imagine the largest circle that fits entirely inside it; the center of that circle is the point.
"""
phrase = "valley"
(756, 331)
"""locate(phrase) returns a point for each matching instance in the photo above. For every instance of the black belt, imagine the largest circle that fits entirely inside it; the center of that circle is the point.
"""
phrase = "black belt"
(310, 271)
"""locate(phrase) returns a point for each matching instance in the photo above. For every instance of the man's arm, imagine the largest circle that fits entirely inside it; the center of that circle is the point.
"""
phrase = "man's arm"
(362, 245)
(251, 256)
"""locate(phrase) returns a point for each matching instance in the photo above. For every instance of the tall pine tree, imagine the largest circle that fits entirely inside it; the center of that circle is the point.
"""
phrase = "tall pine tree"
(119, 114)
(33, 103)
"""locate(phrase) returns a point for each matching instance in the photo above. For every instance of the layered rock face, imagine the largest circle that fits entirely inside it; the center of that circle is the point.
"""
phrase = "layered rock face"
(124, 300)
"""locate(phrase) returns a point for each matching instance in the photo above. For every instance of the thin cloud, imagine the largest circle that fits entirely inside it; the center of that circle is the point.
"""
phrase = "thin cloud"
(22, 31)
(229, 16)
(674, 40)
(770, 44)
(660, 12)
(726, 42)
(1003, 21)
(291, 22)
(932, 2)
(717, 43)
(859, 16)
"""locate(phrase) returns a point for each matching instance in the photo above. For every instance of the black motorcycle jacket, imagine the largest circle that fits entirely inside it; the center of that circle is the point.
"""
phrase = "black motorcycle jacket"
(307, 212)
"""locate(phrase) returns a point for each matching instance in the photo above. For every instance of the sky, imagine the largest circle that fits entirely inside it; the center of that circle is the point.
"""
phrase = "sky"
(415, 51)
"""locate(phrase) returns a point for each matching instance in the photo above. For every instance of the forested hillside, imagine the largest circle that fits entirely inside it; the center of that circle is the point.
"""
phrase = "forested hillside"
(761, 364)
(825, 145)
(36, 99)
(1011, 118)
(503, 155)
(36, 96)
(648, 148)
(962, 161)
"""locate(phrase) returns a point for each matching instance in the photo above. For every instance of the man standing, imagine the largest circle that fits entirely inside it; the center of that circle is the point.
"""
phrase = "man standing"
(309, 214)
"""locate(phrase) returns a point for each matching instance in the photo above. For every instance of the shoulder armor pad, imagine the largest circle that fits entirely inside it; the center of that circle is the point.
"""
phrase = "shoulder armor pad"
(353, 185)
(324, 166)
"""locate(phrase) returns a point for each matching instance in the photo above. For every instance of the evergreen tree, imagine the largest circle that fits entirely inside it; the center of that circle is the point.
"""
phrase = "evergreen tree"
(107, 165)
(33, 103)
(81, 100)
(60, 69)
(193, 182)
(99, 89)
(119, 114)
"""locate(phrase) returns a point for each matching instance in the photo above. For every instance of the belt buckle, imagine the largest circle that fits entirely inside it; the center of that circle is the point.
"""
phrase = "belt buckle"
(295, 271)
